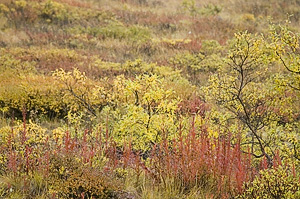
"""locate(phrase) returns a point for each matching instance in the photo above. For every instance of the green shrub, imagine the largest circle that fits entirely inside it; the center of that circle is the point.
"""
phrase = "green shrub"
(190, 7)
(19, 12)
(273, 183)
(69, 178)
(197, 66)
(53, 11)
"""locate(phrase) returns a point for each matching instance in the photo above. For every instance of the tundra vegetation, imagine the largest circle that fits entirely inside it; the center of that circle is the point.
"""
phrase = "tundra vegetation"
(149, 99)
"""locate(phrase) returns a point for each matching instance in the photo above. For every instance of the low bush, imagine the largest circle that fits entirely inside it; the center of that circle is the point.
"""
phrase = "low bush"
(278, 182)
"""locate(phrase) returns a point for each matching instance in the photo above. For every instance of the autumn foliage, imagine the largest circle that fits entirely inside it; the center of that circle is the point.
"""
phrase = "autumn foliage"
(149, 99)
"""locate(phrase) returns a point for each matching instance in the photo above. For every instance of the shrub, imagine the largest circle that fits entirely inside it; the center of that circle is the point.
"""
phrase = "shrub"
(190, 7)
(54, 11)
(69, 178)
(19, 12)
(197, 66)
(274, 183)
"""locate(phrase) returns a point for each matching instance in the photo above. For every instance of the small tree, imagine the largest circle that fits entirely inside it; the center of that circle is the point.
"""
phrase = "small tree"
(285, 45)
(241, 87)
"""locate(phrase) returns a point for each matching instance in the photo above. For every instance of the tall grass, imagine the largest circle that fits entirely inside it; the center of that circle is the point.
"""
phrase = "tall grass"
(93, 166)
